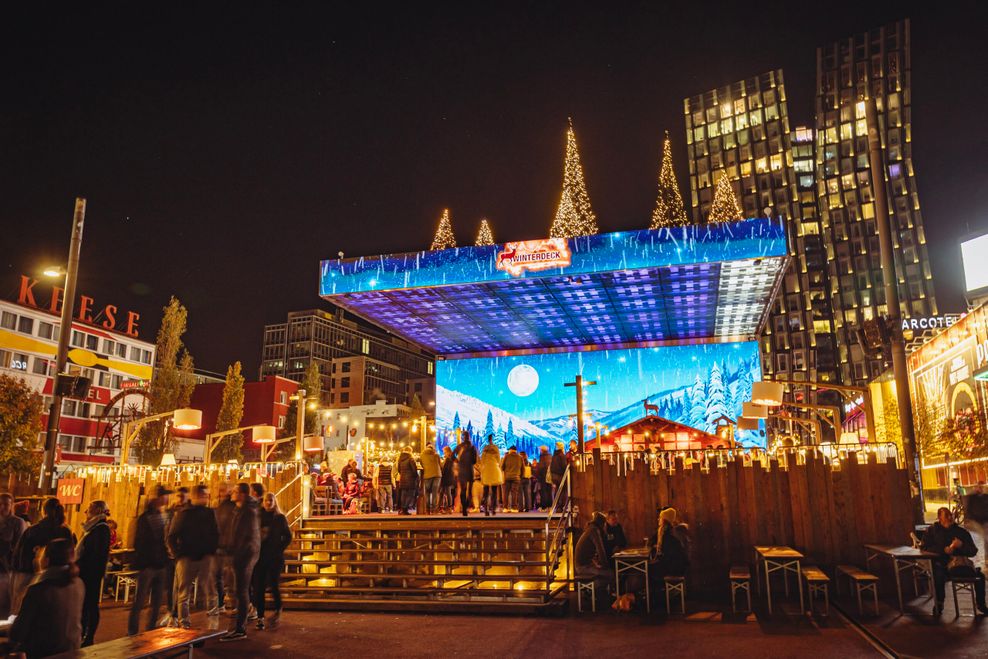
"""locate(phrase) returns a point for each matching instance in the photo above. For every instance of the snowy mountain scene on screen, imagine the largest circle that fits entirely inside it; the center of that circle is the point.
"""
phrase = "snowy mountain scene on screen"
(522, 400)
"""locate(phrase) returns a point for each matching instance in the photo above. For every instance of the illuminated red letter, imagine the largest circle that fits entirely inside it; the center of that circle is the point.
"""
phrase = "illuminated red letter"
(85, 303)
(111, 318)
(132, 319)
(56, 298)
(26, 296)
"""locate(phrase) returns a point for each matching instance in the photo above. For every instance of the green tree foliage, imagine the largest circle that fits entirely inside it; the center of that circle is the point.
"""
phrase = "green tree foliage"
(312, 383)
(171, 384)
(230, 415)
(20, 425)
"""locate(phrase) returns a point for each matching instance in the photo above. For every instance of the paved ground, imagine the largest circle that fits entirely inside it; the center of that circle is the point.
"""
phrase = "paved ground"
(704, 633)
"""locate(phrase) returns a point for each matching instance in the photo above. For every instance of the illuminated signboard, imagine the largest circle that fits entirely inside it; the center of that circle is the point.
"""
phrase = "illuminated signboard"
(974, 253)
(627, 289)
(521, 400)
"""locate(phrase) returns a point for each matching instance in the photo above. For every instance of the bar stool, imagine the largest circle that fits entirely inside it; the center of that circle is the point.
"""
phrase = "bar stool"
(675, 586)
(586, 587)
(963, 584)
(740, 578)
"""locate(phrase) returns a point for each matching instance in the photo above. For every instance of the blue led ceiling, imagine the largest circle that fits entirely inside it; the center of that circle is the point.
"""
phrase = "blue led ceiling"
(631, 288)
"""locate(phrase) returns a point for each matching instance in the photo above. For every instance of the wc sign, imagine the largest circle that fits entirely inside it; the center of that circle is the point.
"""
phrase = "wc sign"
(70, 490)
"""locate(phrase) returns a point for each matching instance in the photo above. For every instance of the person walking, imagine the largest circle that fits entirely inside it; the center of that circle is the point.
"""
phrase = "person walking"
(511, 466)
(557, 469)
(432, 472)
(180, 501)
(525, 483)
(408, 474)
(275, 538)
(150, 559)
(12, 528)
(447, 484)
(466, 457)
(383, 485)
(544, 478)
(224, 510)
(92, 554)
(490, 475)
(192, 539)
(246, 545)
(33, 540)
(49, 620)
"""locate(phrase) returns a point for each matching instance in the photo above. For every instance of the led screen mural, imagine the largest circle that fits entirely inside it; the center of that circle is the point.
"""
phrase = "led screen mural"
(522, 400)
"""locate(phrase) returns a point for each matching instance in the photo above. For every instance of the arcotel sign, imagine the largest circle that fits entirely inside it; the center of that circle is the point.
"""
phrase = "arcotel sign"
(86, 309)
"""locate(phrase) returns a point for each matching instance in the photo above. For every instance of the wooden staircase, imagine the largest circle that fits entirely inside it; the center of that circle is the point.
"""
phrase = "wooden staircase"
(426, 563)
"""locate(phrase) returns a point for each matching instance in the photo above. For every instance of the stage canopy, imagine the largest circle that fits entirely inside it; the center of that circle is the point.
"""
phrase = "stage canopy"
(705, 283)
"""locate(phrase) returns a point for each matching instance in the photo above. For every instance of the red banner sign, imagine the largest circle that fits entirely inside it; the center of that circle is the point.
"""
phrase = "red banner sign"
(70, 490)
(533, 255)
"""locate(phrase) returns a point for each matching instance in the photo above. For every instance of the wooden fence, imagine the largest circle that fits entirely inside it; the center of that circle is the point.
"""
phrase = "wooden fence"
(126, 489)
(823, 507)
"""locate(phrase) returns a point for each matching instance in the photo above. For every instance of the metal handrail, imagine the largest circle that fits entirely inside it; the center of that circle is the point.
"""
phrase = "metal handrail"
(554, 544)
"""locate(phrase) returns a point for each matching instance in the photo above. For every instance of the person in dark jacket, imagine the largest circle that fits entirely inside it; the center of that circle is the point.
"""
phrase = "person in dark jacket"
(590, 556)
(525, 483)
(11, 529)
(150, 559)
(614, 539)
(92, 555)
(245, 541)
(33, 540)
(192, 539)
(48, 623)
(466, 457)
(976, 515)
(557, 468)
(543, 477)
(223, 562)
(275, 538)
(408, 480)
(954, 548)
(669, 549)
(447, 483)
(180, 501)
(511, 467)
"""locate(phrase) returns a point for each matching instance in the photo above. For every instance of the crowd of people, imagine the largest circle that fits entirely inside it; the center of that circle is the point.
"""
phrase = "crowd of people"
(51, 582)
(463, 479)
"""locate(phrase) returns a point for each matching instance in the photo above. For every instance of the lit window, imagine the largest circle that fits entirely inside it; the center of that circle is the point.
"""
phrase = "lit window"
(776, 162)
(739, 106)
(746, 168)
(46, 330)
(761, 165)
(861, 127)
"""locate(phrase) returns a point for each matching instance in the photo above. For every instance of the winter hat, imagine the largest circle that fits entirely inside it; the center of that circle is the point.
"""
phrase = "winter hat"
(559, 445)
(668, 515)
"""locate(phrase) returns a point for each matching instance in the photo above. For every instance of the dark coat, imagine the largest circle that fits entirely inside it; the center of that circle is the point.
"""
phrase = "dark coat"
(11, 530)
(675, 556)
(246, 533)
(976, 507)
(193, 533)
(447, 478)
(466, 456)
(542, 470)
(558, 466)
(614, 539)
(275, 538)
(590, 548)
(225, 512)
(93, 553)
(937, 538)
(407, 471)
(36, 537)
(149, 541)
(50, 620)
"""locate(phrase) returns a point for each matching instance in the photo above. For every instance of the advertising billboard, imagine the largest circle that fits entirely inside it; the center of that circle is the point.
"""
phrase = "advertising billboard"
(522, 400)
(974, 254)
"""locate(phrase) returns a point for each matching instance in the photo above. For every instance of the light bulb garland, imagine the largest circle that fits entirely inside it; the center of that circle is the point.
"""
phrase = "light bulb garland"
(444, 233)
(669, 210)
(725, 207)
(574, 216)
(484, 236)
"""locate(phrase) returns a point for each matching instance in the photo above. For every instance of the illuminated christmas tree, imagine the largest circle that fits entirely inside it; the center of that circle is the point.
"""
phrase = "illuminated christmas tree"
(669, 210)
(444, 233)
(574, 217)
(725, 207)
(484, 236)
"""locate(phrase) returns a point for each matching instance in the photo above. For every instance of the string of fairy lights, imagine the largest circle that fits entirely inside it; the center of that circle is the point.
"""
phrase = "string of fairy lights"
(574, 214)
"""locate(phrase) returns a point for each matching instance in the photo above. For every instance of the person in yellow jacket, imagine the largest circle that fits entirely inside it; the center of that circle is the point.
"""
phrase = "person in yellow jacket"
(491, 475)
(432, 472)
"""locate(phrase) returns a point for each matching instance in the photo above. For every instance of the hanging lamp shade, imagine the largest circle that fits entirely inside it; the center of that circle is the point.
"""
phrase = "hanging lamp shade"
(767, 393)
(168, 460)
(263, 434)
(312, 443)
(753, 411)
(745, 423)
(186, 418)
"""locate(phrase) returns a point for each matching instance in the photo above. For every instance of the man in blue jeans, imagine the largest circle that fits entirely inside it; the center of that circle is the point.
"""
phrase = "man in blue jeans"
(150, 560)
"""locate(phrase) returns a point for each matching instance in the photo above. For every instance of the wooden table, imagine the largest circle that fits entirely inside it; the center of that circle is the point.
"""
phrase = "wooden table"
(145, 644)
(775, 559)
(903, 558)
(632, 560)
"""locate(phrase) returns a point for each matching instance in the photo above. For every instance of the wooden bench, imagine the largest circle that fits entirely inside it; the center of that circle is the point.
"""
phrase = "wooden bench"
(145, 644)
(863, 581)
(817, 583)
(740, 578)
(963, 584)
(675, 586)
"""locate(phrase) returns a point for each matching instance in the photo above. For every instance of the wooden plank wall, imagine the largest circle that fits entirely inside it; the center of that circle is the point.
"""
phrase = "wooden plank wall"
(127, 497)
(827, 511)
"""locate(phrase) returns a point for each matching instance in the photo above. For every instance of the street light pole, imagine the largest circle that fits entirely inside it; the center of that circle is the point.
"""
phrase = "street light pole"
(65, 333)
(579, 384)
(299, 423)
(894, 311)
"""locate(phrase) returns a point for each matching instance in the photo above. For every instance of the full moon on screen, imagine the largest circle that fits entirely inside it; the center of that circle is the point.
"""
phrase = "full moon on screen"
(523, 380)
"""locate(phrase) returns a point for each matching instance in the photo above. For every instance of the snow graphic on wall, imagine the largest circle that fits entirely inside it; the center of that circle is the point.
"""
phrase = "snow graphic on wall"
(522, 400)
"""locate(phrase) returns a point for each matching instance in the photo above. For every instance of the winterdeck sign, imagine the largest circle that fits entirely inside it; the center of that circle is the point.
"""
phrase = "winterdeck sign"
(534, 255)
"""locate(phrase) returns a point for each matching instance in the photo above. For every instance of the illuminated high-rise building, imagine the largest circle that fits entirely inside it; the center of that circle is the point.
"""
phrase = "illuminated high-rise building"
(875, 64)
(742, 131)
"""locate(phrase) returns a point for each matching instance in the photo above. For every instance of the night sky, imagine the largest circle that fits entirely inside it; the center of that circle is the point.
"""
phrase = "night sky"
(225, 150)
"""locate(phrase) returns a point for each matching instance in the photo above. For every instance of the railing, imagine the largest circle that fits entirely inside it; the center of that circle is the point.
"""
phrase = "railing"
(557, 523)
(784, 457)
(295, 513)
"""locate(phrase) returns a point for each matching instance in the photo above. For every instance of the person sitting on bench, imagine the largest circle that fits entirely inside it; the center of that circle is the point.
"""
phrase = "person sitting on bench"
(669, 547)
(590, 556)
(955, 547)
